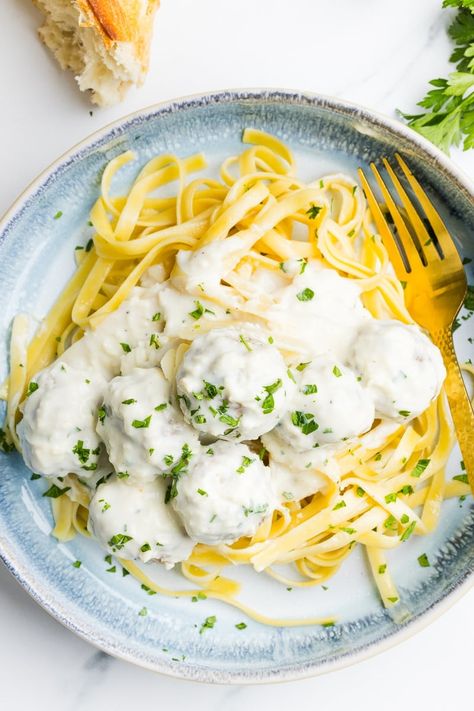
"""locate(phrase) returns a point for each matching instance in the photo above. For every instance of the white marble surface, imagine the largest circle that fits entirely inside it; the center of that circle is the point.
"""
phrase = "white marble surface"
(379, 53)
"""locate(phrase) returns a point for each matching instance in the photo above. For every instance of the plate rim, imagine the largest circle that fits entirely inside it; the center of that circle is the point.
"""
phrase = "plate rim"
(35, 588)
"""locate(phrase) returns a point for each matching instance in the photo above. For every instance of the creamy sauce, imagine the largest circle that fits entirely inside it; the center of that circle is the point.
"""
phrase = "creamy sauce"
(225, 495)
(300, 363)
(133, 521)
(143, 432)
(232, 384)
(400, 367)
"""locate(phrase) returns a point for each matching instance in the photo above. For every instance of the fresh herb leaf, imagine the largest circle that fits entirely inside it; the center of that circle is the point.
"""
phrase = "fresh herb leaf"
(141, 424)
(423, 561)
(305, 295)
(419, 468)
(32, 387)
(54, 491)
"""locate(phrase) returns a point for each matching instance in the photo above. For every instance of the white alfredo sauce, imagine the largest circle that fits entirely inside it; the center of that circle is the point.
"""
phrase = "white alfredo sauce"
(226, 494)
(233, 384)
(133, 521)
(329, 406)
(143, 432)
(401, 368)
(57, 432)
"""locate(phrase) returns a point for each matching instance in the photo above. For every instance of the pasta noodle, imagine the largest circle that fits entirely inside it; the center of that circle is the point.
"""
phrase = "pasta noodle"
(259, 199)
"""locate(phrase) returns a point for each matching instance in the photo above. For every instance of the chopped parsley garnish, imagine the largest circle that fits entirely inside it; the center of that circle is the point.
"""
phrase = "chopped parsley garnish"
(406, 490)
(382, 568)
(106, 505)
(288, 495)
(89, 245)
(143, 612)
(176, 471)
(302, 366)
(168, 459)
(339, 505)
(54, 492)
(130, 401)
(390, 498)
(461, 477)
(200, 420)
(145, 547)
(313, 211)
(360, 491)
(101, 413)
(408, 531)
(35, 476)
(118, 541)
(268, 404)
(81, 452)
(201, 492)
(305, 421)
(210, 390)
(404, 518)
(391, 523)
(156, 317)
(229, 420)
(161, 407)
(244, 342)
(77, 564)
(142, 424)
(125, 347)
(349, 530)
(257, 510)
(392, 599)
(336, 372)
(404, 413)
(58, 215)
(310, 389)
(32, 387)
(210, 451)
(270, 340)
(198, 311)
(246, 462)
(123, 475)
(113, 569)
(420, 468)
(378, 457)
(208, 623)
(423, 561)
(262, 452)
(291, 376)
(305, 295)
(241, 626)
(304, 264)
(155, 341)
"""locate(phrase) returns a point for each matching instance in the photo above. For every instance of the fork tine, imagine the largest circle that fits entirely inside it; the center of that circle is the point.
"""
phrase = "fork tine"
(444, 238)
(383, 228)
(427, 247)
(414, 259)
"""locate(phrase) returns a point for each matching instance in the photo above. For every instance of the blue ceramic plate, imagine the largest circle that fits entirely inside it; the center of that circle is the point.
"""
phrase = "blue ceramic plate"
(36, 260)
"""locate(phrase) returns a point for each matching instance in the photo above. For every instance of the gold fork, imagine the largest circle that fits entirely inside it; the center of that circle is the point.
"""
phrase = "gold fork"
(435, 283)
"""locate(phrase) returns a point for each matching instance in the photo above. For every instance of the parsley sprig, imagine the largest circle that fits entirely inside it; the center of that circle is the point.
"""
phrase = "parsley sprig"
(449, 117)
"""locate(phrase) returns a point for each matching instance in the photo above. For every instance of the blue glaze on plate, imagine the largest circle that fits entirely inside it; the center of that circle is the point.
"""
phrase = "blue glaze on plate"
(36, 260)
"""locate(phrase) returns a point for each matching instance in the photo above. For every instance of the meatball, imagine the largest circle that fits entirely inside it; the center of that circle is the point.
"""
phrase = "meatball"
(144, 434)
(58, 430)
(401, 368)
(330, 406)
(225, 495)
(233, 384)
(133, 521)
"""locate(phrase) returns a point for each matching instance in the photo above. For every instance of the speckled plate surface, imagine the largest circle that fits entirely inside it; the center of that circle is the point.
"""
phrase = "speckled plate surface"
(36, 258)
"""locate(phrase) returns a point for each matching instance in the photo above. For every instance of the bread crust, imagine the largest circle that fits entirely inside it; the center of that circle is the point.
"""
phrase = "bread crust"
(121, 21)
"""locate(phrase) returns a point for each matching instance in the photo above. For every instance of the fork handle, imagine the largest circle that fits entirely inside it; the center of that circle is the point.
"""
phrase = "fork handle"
(460, 406)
